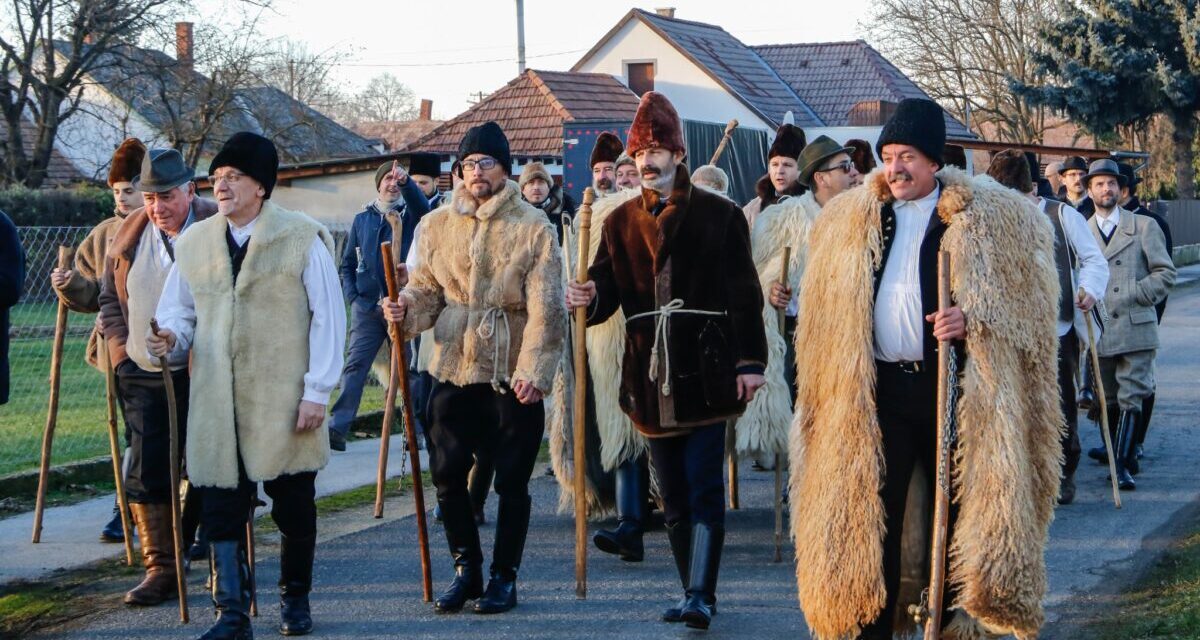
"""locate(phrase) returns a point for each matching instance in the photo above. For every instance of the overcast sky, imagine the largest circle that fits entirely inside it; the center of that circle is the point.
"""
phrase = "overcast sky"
(447, 51)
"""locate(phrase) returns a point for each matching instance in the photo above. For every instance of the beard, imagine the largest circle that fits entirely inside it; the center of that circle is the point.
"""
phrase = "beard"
(480, 189)
(1106, 201)
(603, 185)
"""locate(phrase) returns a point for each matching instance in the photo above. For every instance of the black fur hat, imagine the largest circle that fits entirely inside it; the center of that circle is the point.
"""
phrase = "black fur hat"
(917, 122)
(251, 154)
(488, 139)
(789, 142)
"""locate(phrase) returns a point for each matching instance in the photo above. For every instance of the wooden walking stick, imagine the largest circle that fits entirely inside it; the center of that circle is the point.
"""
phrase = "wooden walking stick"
(732, 462)
(110, 393)
(733, 124)
(1105, 435)
(254, 503)
(947, 381)
(399, 380)
(65, 256)
(783, 280)
(176, 512)
(579, 427)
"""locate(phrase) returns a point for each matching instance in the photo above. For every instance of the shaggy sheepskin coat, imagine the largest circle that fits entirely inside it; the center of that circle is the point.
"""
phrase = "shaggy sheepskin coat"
(488, 280)
(1006, 464)
(264, 320)
(696, 250)
(762, 430)
(616, 439)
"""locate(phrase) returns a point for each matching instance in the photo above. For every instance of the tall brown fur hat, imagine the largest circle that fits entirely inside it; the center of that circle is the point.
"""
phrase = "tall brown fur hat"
(608, 148)
(656, 124)
(1011, 169)
(789, 142)
(126, 161)
(862, 156)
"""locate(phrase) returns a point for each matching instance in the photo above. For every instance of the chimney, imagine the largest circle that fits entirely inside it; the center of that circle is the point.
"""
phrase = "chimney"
(426, 109)
(183, 44)
(666, 12)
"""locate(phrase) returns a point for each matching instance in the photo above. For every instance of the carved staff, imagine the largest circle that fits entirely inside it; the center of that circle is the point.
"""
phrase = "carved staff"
(110, 396)
(733, 124)
(176, 512)
(399, 380)
(580, 424)
(783, 280)
(65, 256)
(947, 381)
(1112, 463)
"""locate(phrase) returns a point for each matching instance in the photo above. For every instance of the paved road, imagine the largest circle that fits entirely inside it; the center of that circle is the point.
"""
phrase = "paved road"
(367, 575)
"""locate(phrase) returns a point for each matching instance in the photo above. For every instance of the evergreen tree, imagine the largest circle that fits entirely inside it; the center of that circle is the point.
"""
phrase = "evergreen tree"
(1121, 62)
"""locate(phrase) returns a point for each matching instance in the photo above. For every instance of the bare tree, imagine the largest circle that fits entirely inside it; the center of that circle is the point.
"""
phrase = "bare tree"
(966, 53)
(384, 99)
(49, 47)
(304, 75)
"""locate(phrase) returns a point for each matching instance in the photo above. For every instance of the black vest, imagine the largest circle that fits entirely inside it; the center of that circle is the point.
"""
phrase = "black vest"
(236, 254)
(1062, 258)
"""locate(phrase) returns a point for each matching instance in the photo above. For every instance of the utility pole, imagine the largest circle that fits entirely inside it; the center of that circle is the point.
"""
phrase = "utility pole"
(520, 36)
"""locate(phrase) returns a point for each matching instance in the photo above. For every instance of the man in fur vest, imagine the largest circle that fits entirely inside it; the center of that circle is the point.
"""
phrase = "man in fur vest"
(254, 297)
(783, 171)
(618, 474)
(827, 170)
(1080, 264)
(676, 260)
(79, 287)
(867, 339)
(488, 279)
(1142, 274)
(136, 267)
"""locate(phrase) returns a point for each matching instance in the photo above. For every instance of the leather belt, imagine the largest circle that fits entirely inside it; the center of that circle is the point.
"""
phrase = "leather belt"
(905, 367)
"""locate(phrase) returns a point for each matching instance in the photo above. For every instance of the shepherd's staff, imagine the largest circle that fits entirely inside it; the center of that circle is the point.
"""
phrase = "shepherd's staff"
(176, 512)
(1099, 381)
(580, 424)
(399, 379)
(733, 124)
(732, 462)
(65, 255)
(110, 394)
(783, 280)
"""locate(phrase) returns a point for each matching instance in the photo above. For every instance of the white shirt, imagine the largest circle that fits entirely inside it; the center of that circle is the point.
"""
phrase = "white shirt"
(1107, 223)
(326, 332)
(899, 323)
(1092, 274)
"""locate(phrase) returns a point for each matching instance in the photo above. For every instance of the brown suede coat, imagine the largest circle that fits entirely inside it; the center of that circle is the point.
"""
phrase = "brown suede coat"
(696, 250)
(114, 294)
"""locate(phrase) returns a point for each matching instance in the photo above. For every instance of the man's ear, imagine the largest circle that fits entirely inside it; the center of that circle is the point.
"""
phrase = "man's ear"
(678, 156)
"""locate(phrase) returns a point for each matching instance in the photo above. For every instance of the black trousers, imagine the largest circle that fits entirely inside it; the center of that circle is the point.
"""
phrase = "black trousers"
(474, 418)
(907, 408)
(224, 512)
(690, 474)
(1068, 363)
(147, 425)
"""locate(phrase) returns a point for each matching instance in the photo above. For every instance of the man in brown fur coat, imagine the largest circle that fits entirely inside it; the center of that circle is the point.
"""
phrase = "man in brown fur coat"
(677, 262)
(488, 279)
(867, 340)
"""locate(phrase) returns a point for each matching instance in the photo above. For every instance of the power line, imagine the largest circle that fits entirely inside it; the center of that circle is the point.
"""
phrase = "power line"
(452, 64)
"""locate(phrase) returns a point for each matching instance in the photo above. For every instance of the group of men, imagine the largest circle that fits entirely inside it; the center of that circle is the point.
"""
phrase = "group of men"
(683, 300)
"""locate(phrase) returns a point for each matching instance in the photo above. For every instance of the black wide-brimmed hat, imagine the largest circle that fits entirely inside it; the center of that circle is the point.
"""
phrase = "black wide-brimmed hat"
(163, 170)
(1104, 167)
(918, 123)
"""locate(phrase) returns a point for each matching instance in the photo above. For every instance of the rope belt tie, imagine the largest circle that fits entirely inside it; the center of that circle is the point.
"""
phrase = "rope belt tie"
(486, 330)
(662, 336)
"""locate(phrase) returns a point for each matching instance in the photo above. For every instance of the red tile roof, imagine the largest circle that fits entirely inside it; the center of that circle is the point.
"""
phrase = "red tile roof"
(532, 108)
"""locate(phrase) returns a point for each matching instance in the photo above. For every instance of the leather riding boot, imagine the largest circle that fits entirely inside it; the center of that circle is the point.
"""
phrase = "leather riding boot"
(680, 537)
(1086, 398)
(295, 583)
(626, 540)
(479, 484)
(707, 543)
(1100, 454)
(230, 591)
(1143, 426)
(158, 555)
(463, 537)
(1126, 459)
(512, 526)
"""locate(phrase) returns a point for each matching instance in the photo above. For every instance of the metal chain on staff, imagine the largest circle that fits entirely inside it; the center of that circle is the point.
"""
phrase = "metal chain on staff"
(950, 433)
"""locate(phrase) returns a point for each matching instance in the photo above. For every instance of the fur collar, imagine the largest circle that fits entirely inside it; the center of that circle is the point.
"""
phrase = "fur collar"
(767, 194)
(956, 193)
(129, 232)
(466, 204)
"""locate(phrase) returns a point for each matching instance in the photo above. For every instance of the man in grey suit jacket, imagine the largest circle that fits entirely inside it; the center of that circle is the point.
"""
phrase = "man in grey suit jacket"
(1140, 276)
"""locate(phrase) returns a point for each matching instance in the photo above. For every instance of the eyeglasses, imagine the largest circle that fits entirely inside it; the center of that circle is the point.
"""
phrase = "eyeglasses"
(228, 178)
(844, 165)
(486, 164)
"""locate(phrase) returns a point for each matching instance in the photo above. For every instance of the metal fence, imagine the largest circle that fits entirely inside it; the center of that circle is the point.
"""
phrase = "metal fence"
(80, 431)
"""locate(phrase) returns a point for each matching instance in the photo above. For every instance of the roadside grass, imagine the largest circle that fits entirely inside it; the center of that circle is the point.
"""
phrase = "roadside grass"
(1163, 604)
(28, 606)
(57, 497)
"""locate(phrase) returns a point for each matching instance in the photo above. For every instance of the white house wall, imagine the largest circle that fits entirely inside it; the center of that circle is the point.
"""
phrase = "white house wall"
(694, 93)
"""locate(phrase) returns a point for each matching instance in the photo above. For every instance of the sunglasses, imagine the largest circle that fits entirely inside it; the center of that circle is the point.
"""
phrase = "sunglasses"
(845, 166)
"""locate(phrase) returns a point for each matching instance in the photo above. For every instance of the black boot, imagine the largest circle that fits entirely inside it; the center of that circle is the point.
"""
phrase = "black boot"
(113, 531)
(680, 537)
(1066, 489)
(230, 592)
(463, 537)
(707, 542)
(1100, 454)
(626, 540)
(1143, 426)
(295, 582)
(512, 525)
(479, 484)
(1086, 399)
(1126, 459)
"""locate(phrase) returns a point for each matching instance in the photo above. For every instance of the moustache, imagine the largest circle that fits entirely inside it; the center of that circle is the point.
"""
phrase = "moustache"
(604, 183)
(900, 176)
(651, 172)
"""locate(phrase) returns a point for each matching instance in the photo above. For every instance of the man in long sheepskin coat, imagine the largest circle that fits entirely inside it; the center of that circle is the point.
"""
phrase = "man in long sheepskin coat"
(867, 340)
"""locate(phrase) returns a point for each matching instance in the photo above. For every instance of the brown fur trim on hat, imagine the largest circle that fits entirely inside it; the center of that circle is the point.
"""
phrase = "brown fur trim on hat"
(1011, 169)
(608, 148)
(789, 142)
(862, 156)
(656, 124)
(534, 170)
(126, 161)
